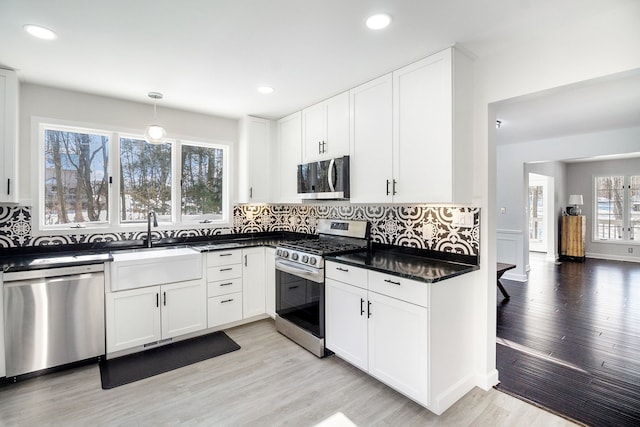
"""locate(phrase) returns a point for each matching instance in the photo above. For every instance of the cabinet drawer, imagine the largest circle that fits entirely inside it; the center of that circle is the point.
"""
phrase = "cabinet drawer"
(224, 258)
(223, 287)
(347, 274)
(399, 288)
(224, 309)
(224, 272)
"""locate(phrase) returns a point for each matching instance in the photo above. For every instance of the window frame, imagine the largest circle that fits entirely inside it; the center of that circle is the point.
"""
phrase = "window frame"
(226, 185)
(626, 210)
(114, 225)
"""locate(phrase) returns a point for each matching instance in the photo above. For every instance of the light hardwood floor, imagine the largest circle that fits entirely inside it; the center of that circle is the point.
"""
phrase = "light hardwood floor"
(269, 382)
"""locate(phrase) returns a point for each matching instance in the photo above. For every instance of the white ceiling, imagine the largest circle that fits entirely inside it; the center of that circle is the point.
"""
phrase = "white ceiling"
(210, 55)
(596, 105)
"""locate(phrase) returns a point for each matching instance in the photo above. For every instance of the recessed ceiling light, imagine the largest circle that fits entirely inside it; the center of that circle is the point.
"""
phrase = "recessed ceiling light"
(378, 21)
(40, 32)
(265, 90)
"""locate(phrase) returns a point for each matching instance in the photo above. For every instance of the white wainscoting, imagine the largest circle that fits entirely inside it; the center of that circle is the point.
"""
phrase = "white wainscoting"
(510, 250)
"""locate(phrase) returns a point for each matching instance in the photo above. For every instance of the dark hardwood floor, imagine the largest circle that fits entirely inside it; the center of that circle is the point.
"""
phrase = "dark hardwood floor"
(569, 339)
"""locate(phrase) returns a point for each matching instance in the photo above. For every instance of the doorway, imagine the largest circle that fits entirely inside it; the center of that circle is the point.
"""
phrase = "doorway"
(541, 208)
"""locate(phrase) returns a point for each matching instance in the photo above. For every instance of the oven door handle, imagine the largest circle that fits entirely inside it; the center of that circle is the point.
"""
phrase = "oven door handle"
(300, 271)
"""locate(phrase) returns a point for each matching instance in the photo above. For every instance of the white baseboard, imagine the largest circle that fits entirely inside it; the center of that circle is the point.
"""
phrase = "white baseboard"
(451, 395)
(487, 380)
(515, 276)
(612, 257)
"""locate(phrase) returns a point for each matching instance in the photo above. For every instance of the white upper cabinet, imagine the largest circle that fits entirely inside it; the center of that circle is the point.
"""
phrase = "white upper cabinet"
(325, 129)
(432, 133)
(429, 155)
(8, 136)
(254, 151)
(371, 135)
(289, 157)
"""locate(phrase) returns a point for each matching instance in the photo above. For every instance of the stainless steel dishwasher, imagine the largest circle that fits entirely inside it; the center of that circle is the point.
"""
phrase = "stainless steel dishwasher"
(52, 317)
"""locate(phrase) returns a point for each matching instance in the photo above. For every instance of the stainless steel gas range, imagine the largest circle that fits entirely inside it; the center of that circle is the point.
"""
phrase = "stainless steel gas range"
(300, 279)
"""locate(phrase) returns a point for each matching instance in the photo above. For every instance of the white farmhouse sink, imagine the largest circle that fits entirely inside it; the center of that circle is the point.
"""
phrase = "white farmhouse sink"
(156, 266)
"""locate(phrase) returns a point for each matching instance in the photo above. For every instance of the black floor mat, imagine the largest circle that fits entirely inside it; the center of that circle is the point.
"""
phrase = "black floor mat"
(134, 367)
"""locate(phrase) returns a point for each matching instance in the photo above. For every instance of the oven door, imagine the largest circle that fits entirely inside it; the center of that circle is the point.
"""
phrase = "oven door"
(300, 296)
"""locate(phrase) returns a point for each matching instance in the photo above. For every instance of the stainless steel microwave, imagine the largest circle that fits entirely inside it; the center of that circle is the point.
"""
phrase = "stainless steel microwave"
(326, 179)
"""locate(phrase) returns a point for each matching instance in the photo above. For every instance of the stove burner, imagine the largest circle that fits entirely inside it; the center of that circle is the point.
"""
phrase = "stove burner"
(323, 246)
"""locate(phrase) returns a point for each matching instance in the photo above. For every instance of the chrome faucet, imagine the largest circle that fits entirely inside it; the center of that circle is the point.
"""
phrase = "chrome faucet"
(155, 224)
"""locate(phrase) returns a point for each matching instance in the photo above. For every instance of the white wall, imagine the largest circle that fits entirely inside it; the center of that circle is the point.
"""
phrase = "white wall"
(43, 101)
(601, 45)
(580, 181)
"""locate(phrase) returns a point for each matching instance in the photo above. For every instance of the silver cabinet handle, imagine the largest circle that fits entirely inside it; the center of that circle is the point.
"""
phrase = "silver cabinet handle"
(226, 300)
(226, 284)
(229, 254)
(387, 187)
(392, 282)
(346, 270)
(245, 260)
(226, 269)
(394, 187)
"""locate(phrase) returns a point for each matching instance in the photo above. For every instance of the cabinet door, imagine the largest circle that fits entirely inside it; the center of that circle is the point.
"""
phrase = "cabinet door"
(398, 345)
(183, 308)
(346, 322)
(290, 156)
(371, 124)
(132, 318)
(422, 131)
(270, 281)
(253, 282)
(337, 118)
(254, 183)
(8, 136)
(314, 132)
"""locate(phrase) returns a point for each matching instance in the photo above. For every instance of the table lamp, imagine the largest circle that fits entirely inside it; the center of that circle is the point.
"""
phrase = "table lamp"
(577, 202)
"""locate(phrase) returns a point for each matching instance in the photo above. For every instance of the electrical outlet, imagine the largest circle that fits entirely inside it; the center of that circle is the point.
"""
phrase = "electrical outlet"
(503, 210)
(462, 219)
(630, 250)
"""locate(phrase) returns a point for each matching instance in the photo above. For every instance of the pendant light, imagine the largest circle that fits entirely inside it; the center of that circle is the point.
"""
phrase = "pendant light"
(155, 133)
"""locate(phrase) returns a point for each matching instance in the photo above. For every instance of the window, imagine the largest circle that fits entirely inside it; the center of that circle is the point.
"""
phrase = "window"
(145, 180)
(617, 203)
(75, 177)
(80, 186)
(202, 185)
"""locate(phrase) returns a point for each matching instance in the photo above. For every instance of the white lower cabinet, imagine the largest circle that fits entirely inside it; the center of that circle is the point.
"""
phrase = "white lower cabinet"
(413, 336)
(398, 345)
(346, 322)
(224, 287)
(183, 309)
(224, 309)
(145, 315)
(253, 282)
(381, 335)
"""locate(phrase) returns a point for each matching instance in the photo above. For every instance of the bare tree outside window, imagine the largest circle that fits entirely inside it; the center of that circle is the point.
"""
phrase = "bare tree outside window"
(610, 194)
(76, 175)
(634, 207)
(202, 182)
(145, 180)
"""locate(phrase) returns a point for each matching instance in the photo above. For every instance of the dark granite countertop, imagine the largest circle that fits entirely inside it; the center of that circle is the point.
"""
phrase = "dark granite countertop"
(415, 265)
(34, 258)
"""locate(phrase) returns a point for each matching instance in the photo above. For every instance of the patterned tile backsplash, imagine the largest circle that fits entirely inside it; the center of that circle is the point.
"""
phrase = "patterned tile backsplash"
(424, 227)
